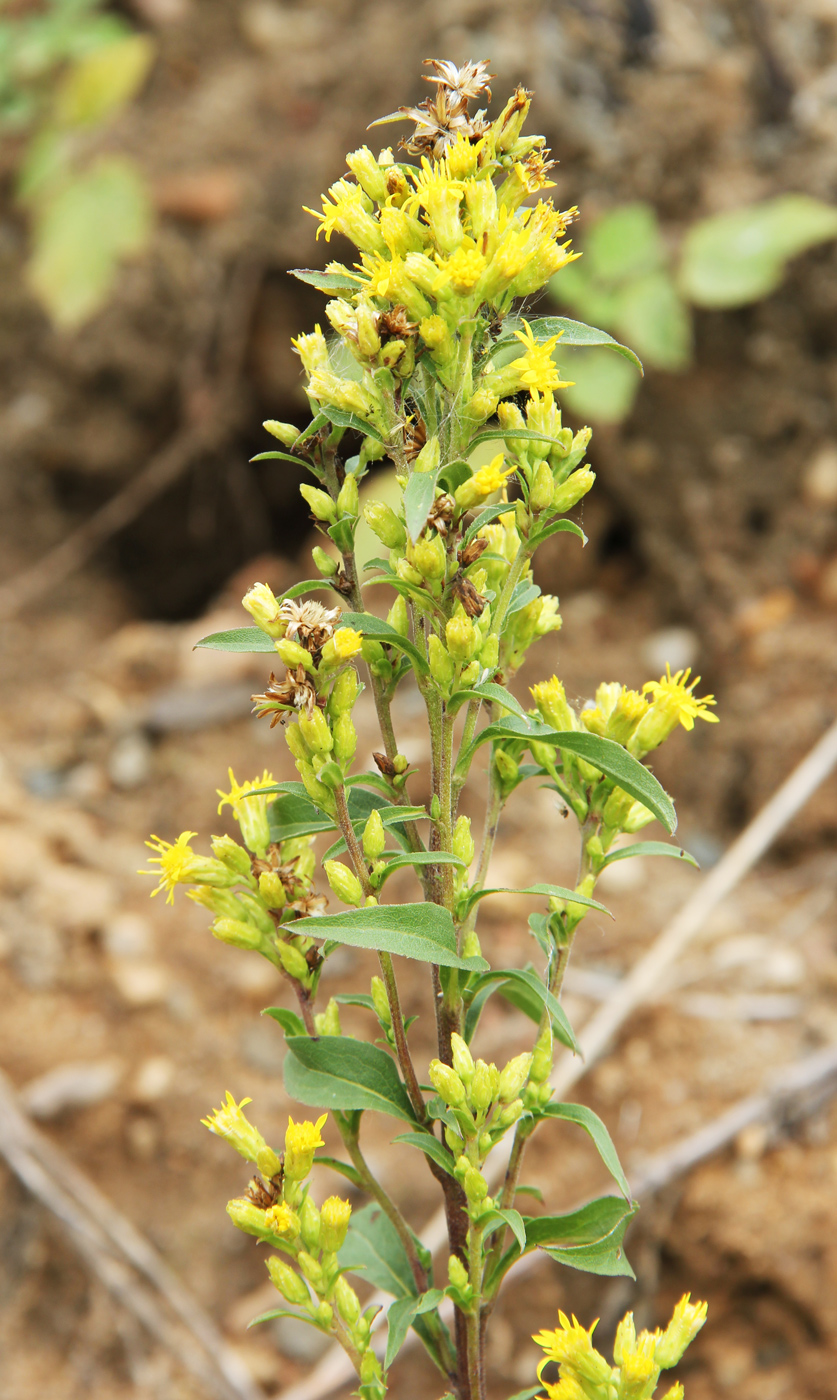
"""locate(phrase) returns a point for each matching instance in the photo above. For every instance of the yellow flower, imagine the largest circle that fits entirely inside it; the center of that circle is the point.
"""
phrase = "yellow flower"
(536, 368)
(179, 865)
(249, 805)
(551, 700)
(347, 643)
(334, 1223)
(571, 1345)
(686, 1321)
(349, 215)
(312, 350)
(462, 270)
(230, 1123)
(301, 1142)
(483, 483)
(673, 692)
(282, 1220)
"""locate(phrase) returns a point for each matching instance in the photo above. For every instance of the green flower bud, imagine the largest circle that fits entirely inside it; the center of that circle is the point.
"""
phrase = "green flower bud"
(317, 791)
(295, 741)
(470, 675)
(542, 1057)
(463, 1063)
(344, 692)
(346, 1301)
(543, 488)
(442, 668)
(293, 962)
(509, 1115)
(238, 934)
(429, 557)
(309, 1225)
(406, 572)
(345, 740)
(461, 638)
(288, 1282)
(483, 1089)
(256, 912)
(447, 1084)
(324, 1316)
(368, 339)
(507, 769)
(320, 503)
(328, 1022)
(311, 1269)
(286, 433)
(381, 1002)
(272, 890)
(260, 602)
(335, 1216)
(293, 654)
(315, 731)
(453, 1139)
(475, 1186)
(490, 653)
(344, 883)
(513, 1077)
(225, 849)
(327, 566)
(571, 491)
(430, 456)
(463, 841)
(374, 836)
(370, 1370)
(347, 499)
(551, 700)
(383, 521)
(458, 1274)
(398, 617)
(471, 947)
(686, 1321)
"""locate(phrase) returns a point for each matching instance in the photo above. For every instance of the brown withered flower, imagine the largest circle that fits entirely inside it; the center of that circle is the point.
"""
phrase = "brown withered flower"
(471, 80)
(472, 601)
(264, 1196)
(385, 765)
(470, 553)
(441, 514)
(396, 322)
(311, 906)
(295, 692)
(309, 623)
(415, 436)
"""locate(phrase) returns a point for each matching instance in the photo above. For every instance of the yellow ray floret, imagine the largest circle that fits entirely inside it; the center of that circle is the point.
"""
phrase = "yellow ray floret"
(674, 692)
(301, 1142)
(536, 368)
(176, 862)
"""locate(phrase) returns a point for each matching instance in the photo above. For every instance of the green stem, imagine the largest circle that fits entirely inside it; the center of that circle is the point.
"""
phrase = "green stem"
(390, 1209)
(471, 717)
(476, 1378)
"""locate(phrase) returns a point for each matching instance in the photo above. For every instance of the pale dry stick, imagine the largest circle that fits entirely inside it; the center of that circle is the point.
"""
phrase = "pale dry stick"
(102, 1233)
(756, 838)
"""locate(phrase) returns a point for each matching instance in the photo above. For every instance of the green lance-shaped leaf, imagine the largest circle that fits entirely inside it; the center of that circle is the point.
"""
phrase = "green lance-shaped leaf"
(318, 422)
(419, 494)
(496, 694)
(525, 990)
(485, 517)
(431, 1147)
(380, 631)
(292, 816)
(589, 1239)
(419, 859)
(334, 283)
(649, 848)
(572, 333)
(549, 891)
(341, 418)
(591, 1123)
(289, 1021)
(279, 457)
(556, 527)
(337, 1072)
(402, 1315)
(244, 639)
(509, 1217)
(739, 256)
(425, 932)
(372, 1248)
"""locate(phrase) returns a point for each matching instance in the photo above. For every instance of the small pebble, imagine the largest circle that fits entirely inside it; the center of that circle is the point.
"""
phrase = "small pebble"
(140, 983)
(129, 762)
(819, 479)
(153, 1079)
(71, 1086)
(676, 647)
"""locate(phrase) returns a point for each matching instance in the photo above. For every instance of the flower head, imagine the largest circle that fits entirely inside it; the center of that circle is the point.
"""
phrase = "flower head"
(334, 1223)
(571, 1345)
(483, 483)
(249, 804)
(179, 865)
(675, 693)
(536, 368)
(281, 1220)
(296, 692)
(471, 80)
(301, 1142)
(308, 623)
(230, 1123)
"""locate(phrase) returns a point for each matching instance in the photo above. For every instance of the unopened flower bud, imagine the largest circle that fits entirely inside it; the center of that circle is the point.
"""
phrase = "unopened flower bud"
(471, 947)
(442, 668)
(429, 557)
(461, 638)
(272, 890)
(288, 1282)
(295, 741)
(309, 1225)
(509, 1114)
(315, 731)
(381, 1002)
(324, 1316)
(398, 617)
(374, 836)
(458, 1274)
(347, 500)
(260, 602)
(225, 849)
(513, 1077)
(490, 653)
(345, 740)
(483, 1088)
(447, 1084)
(328, 1022)
(470, 675)
(343, 646)
(475, 1186)
(383, 521)
(571, 491)
(321, 505)
(368, 339)
(334, 1218)
(286, 433)
(551, 700)
(311, 1269)
(543, 488)
(507, 769)
(346, 1301)
(238, 934)
(293, 961)
(344, 883)
(293, 654)
(541, 1067)
(327, 566)
(463, 1063)
(463, 841)
(344, 692)
(686, 1321)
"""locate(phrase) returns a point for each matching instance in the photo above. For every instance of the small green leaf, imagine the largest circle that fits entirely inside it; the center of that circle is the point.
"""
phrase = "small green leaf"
(337, 1072)
(245, 639)
(401, 1316)
(625, 243)
(341, 419)
(603, 387)
(373, 1248)
(431, 1147)
(654, 316)
(425, 932)
(420, 858)
(525, 990)
(289, 1021)
(279, 457)
(498, 435)
(739, 256)
(342, 1169)
(649, 848)
(419, 495)
(485, 517)
(556, 527)
(592, 1124)
(550, 891)
(524, 594)
(589, 1239)
(454, 474)
(291, 816)
(332, 282)
(380, 631)
(495, 694)
(625, 770)
(318, 422)
(273, 1313)
(509, 1217)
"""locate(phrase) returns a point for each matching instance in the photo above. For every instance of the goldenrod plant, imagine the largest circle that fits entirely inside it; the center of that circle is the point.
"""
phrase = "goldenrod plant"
(426, 361)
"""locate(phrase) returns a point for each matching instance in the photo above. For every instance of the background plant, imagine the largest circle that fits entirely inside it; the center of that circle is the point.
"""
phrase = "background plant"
(446, 250)
(67, 69)
(632, 282)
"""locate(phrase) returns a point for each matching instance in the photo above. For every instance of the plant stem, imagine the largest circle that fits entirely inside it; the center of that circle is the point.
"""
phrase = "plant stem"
(476, 1378)
(390, 1209)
